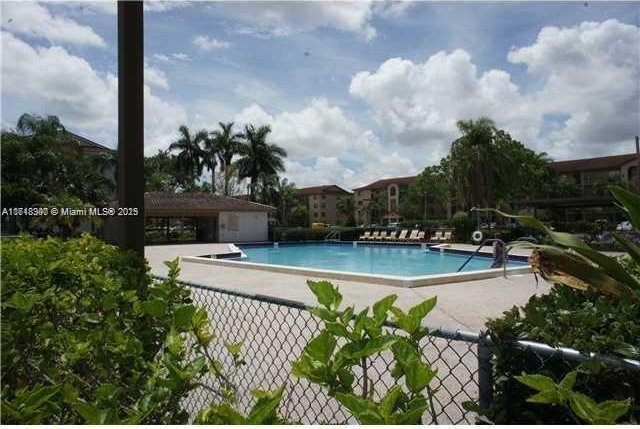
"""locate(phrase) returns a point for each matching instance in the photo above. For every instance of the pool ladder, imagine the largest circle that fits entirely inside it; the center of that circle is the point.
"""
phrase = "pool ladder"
(505, 252)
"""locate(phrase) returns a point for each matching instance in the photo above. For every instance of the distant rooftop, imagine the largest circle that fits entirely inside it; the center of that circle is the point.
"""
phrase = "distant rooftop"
(88, 146)
(592, 164)
(196, 204)
(324, 189)
(383, 183)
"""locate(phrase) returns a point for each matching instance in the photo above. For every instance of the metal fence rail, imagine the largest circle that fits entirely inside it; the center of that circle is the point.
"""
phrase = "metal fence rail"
(274, 332)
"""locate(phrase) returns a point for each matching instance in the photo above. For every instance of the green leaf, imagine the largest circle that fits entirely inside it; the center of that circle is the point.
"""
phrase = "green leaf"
(326, 293)
(182, 317)
(388, 402)
(537, 382)
(364, 348)
(630, 203)
(364, 410)
(321, 347)
(155, 308)
(264, 411)
(421, 310)
(19, 301)
(611, 411)
(381, 307)
(546, 397)
(90, 413)
(568, 381)
(418, 375)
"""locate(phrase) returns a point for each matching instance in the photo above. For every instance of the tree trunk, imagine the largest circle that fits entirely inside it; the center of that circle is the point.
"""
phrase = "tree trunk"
(213, 179)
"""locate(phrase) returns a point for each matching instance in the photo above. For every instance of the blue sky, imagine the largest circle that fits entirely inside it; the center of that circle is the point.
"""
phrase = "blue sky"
(354, 91)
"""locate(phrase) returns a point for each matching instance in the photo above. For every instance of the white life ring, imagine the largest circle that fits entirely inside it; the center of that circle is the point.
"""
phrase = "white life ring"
(477, 236)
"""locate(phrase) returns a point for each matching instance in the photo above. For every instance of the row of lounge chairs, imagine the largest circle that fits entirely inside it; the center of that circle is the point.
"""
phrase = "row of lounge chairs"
(404, 236)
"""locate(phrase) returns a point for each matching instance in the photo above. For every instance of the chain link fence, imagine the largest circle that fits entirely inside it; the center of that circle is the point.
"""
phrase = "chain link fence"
(274, 332)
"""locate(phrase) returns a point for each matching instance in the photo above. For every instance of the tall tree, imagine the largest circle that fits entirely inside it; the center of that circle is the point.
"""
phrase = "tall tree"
(210, 154)
(190, 153)
(31, 124)
(228, 144)
(347, 208)
(286, 195)
(259, 157)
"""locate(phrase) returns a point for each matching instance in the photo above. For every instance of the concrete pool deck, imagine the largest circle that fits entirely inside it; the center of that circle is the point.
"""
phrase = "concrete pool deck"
(464, 305)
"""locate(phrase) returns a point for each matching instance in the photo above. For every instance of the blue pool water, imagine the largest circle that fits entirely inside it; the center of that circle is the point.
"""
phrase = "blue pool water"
(403, 261)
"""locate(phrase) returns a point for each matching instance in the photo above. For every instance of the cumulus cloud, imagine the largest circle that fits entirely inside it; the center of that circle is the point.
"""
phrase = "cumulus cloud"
(267, 19)
(53, 81)
(419, 103)
(319, 129)
(155, 77)
(323, 171)
(35, 20)
(207, 43)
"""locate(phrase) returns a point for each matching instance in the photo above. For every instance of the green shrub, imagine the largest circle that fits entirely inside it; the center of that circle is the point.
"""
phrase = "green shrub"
(87, 337)
(565, 317)
(463, 227)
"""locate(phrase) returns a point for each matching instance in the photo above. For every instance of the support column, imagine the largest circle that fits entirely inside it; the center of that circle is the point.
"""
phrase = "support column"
(131, 124)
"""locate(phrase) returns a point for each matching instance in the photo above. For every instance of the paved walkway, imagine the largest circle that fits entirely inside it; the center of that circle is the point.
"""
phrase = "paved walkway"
(464, 305)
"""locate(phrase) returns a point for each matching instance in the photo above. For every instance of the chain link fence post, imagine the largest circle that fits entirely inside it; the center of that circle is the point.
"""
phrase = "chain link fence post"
(485, 371)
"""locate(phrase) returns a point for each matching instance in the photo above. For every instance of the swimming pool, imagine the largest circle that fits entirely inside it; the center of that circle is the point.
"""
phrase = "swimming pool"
(392, 265)
(403, 261)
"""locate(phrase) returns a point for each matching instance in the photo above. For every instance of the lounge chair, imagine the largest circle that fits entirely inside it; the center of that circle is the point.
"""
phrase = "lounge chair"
(419, 237)
(402, 236)
(391, 236)
(446, 237)
(374, 236)
(383, 236)
(365, 236)
(413, 236)
(437, 236)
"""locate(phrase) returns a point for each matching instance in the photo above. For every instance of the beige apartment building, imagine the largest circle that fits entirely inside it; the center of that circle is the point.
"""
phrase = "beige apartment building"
(379, 202)
(322, 203)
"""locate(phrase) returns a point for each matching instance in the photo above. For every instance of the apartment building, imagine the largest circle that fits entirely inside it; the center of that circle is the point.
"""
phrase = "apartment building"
(322, 203)
(589, 199)
(379, 202)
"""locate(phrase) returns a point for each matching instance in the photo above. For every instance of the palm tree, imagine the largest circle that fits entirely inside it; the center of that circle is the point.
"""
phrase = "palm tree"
(286, 192)
(31, 124)
(474, 161)
(190, 155)
(258, 157)
(210, 159)
(228, 144)
(346, 207)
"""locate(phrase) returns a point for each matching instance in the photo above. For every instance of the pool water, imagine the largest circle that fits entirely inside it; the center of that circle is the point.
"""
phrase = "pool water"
(402, 261)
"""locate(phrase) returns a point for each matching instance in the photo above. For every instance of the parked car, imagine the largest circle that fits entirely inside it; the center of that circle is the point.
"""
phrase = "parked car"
(624, 226)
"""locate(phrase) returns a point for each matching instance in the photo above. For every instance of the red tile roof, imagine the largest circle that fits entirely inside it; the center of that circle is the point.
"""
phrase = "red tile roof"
(196, 204)
(88, 146)
(324, 189)
(383, 183)
(592, 164)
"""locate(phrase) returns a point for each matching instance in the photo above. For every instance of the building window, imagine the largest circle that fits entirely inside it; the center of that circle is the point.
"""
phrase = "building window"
(322, 214)
(392, 191)
(324, 197)
(315, 214)
(315, 206)
(323, 205)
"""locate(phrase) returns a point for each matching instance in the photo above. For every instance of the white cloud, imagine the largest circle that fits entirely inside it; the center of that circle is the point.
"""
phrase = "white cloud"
(53, 81)
(155, 77)
(591, 73)
(161, 57)
(255, 90)
(163, 6)
(180, 56)
(319, 129)
(392, 9)
(324, 171)
(35, 20)
(419, 103)
(207, 43)
(272, 19)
